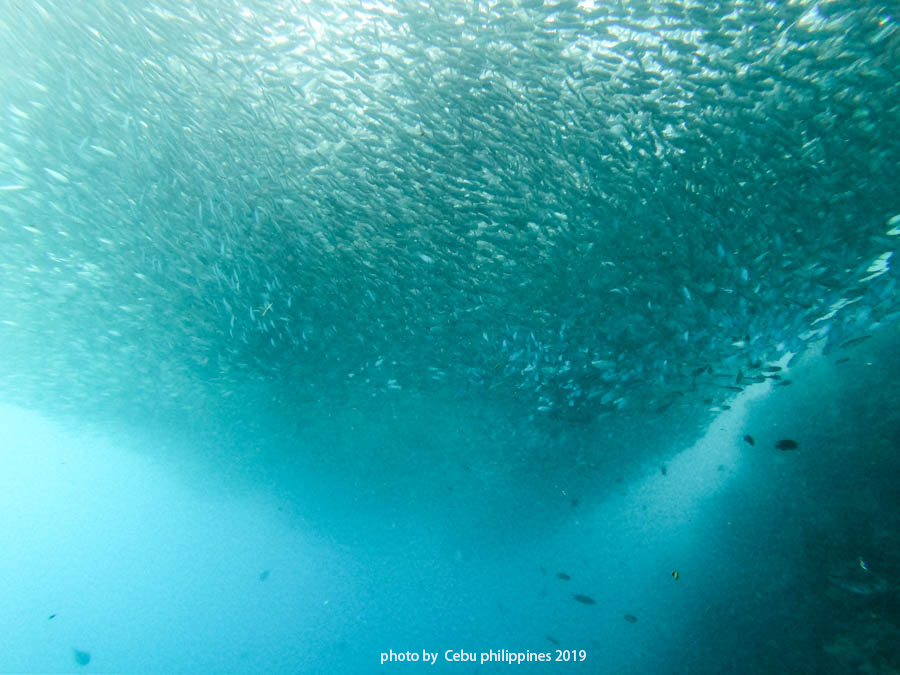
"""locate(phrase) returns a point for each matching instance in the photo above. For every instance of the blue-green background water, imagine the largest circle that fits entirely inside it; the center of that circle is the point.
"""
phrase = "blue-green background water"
(333, 328)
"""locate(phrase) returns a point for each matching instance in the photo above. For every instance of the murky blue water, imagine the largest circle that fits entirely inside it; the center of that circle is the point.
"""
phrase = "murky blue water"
(335, 329)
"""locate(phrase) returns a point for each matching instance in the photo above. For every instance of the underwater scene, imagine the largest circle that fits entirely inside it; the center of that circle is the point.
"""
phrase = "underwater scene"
(458, 336)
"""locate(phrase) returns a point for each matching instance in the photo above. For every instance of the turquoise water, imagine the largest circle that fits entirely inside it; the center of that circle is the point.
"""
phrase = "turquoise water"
(330, 329)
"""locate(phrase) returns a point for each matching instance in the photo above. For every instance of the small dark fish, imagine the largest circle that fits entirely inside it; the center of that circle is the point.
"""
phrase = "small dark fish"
(663, 469)
(855, 341)
(631, 618)
(771, 369)
(787, 444)
(749, 439)
(574, 502)
(563, 576)
(52, 616)
(783, 383)
(81, 658)
(843, 360)
(732, 388)
(703, 369)
(584, 600)
(264, 575)
(552, 640)
(739, 378)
